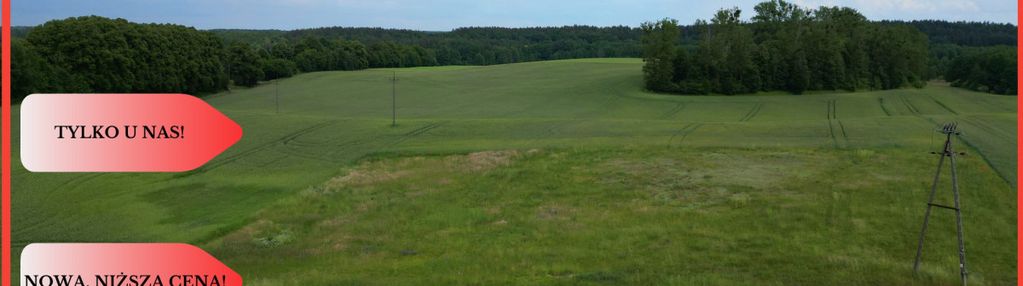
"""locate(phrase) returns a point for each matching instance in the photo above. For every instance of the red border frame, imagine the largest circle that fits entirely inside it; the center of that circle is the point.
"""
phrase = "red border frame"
(1019, 136)
(6, 197)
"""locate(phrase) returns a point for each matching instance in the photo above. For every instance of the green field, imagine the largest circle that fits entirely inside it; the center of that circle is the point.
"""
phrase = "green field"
(560, 172)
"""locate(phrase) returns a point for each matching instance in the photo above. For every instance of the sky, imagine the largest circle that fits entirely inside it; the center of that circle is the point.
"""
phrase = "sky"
(444, 15)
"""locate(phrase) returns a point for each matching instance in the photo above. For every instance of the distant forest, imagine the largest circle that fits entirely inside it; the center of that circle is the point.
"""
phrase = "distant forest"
(97, 54)
(787, 47)
(784, 47)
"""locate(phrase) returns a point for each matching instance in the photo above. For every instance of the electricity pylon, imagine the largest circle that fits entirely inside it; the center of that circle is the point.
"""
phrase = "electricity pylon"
(947, 152)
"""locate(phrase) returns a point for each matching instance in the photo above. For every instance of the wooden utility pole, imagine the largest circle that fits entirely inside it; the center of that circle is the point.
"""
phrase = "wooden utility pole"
(277, 95)
(949, 130)
(394, 99)
(229, 76)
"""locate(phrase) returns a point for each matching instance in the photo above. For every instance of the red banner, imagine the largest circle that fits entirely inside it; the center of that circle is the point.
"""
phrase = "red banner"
(125, 264)
(121, 132)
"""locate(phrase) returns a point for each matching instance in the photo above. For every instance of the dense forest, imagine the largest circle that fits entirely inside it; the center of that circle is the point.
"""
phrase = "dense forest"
(787, 47)
(963, 33)
(467, 46)
(725, 55)
(94, 54)
(988, 69)
(784, 47)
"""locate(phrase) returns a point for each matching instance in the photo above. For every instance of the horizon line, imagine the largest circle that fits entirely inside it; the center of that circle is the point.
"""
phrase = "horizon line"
(463, 27)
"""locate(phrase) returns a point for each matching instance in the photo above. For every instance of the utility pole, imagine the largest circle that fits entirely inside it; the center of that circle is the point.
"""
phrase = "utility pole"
(277, 95)
(394, 99)
(229, 76)
(949, 130)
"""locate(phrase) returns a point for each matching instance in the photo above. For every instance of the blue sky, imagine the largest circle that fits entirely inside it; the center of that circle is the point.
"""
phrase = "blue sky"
(444, 15)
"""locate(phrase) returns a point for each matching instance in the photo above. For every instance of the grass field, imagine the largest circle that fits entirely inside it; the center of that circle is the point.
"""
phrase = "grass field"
(561, 172)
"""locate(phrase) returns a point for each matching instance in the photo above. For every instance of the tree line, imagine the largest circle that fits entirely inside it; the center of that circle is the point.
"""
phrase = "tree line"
(504, 45)
(783, 47)
(987, 69)
(96, 54)
(973, 34)
(472, 45)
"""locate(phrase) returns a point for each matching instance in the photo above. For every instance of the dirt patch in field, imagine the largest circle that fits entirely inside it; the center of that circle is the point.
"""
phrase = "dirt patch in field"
(404, 174)
(483, 161)
(260, 234)
(555, 212)
(366, 176)
(376, 172)
(758, 171)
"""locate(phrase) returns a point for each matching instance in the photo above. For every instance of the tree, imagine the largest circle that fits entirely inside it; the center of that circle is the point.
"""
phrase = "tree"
(246, 69)
(731, 49)
(30, 73)
(988, 69)
(278, 68)
(660, 42)
(898, 56)
(96, 54)
(785, 47)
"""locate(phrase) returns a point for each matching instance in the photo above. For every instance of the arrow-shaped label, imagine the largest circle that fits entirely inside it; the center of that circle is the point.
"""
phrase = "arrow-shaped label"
(121, 132)
(141, 264)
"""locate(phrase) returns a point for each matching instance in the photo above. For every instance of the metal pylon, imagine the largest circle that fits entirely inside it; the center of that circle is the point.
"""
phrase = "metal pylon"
(949, 130)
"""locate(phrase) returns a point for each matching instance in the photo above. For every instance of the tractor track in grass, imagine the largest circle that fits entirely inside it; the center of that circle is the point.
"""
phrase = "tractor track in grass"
(551, 130)
(909, 105)
(69, 185)
(683, 133)
(345, 147)
(987, 160)
(229, 159)
(752, 112)
(674, 110)
(966, 139)
(338, 151)
(297, 148)
(1000, 134)
(329, 156)
(273, 161)
(944, 106)
(296, 153)
(691, 130)
(677, 133)
(833, 109)
(292, 137)
(417, 132)
(984, 156)
(880, 101)
(286, 141)
(609, 101)
(831, 133)
(832, 115)
(74, 184)
(334, 154)
(845, 136)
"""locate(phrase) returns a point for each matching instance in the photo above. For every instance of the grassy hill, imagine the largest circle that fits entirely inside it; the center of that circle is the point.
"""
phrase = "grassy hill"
(560, 172)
